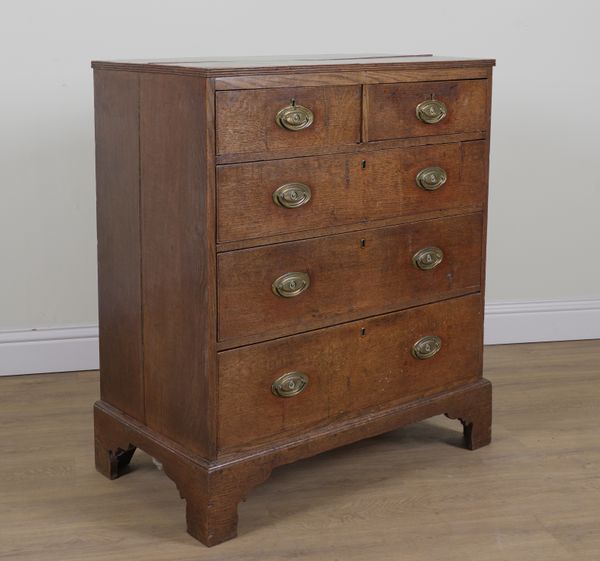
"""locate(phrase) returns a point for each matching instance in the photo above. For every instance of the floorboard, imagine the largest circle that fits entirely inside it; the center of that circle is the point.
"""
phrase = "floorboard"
(412, 494)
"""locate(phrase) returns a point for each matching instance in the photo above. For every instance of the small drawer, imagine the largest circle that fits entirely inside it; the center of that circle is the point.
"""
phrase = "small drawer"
(262, 199)
(275, 389)
(425, 109)
(296, 286)
(287, 118)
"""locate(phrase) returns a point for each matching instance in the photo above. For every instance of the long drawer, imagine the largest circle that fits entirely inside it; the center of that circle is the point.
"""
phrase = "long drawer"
(296, 286)
(261, 199)
(276, 388)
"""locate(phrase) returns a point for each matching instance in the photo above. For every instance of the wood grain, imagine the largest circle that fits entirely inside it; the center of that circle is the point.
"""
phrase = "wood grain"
(178, 255)
(212, 490)
(351, 368)
(246, 119)
(345, 188)
(347, 281)
(391, 110)
(244, 66)
(346, 78)
(116, 100)
(484, 156)
(354, 148)
(169, 122)
(342, 228)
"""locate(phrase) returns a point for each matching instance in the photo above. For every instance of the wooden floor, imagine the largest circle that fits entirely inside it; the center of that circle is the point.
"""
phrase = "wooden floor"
(413, 494)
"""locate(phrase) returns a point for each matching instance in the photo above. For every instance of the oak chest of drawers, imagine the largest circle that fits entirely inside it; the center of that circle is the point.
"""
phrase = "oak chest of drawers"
(291, 258)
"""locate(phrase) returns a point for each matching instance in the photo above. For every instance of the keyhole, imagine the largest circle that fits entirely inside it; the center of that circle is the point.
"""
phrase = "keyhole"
(363, 242)
(363, 331)
(363, 164)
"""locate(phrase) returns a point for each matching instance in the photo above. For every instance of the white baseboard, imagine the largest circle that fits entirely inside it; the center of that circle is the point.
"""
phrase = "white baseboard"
(37, 351)
(76, 348)
(541, 320)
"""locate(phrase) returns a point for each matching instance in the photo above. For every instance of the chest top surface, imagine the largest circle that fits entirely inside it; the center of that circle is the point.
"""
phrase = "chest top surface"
(226, 66)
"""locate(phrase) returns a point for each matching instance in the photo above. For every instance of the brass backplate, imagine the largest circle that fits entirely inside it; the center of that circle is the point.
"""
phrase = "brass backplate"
(428, 258)
(431, 111)
(294, 117)
(291, 284)
(431, 178)
(292, 195)
(426, 347)
(290, 384)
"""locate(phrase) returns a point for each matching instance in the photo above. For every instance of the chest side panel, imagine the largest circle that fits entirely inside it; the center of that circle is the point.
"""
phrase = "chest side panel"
(118, 221)
(178, 258)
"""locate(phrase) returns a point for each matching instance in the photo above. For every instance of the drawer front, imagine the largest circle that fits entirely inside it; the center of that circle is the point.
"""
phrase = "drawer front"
(346, 276)
(247, 120)
(283, 196)
(392, 108)
(346, 369)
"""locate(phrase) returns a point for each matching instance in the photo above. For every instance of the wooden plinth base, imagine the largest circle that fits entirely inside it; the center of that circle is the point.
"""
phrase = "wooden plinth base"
(213, 489)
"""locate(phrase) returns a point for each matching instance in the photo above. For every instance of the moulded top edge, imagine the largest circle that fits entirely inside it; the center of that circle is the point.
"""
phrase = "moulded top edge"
(248, 65)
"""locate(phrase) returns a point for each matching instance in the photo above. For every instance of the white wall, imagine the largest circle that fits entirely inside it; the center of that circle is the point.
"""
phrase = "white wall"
(545, 190)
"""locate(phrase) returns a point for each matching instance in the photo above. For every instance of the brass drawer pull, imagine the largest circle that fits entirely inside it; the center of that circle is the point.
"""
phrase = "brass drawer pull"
(428, 258)
(431, 178)
(426, 347)
(431, 111)
(291, 284)
(294, 117)
(290, 384)
(292, 195)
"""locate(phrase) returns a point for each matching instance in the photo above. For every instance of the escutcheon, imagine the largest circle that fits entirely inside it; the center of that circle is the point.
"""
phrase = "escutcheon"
(428, 258)
(426, 347)
(291, 284)
(292, 195)
(290, 384)
(431, 111)
(294, 117)
(431, 178)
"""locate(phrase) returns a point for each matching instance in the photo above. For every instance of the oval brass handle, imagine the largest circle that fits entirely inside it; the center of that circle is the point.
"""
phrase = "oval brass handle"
(431, 111)
(290, 384)
(291, 284)
(428, 258)
(431, 178)
(292, 195)
(426, 347)
(294, 117)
